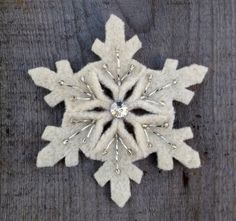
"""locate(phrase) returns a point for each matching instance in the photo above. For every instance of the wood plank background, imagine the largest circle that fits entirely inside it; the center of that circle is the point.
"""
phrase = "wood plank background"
(40, 32)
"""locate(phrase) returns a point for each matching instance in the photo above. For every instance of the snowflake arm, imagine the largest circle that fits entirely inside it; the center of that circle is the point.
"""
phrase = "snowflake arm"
(56, 150)
(52, 81)
(120, 185)
(115, 36)
(170, 144)
(170, 84)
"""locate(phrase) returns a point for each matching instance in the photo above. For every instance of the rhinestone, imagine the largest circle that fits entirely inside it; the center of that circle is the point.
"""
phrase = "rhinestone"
(119, 109)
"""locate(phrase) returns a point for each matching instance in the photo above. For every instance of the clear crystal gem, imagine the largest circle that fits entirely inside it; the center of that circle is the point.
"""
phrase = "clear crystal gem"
(119, 109)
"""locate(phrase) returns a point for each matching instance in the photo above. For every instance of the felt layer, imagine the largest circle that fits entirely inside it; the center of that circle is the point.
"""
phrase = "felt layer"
(89, 126)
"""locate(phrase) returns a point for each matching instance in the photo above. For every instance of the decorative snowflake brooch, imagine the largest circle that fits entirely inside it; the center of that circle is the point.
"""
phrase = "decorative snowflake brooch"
(118, 111)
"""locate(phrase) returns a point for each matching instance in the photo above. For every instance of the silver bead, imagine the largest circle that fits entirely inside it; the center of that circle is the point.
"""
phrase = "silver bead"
(173, 146)
(129, 151)
(105, 66)
(61, 82)
(131, 68)
(82, 79)
(166, 124)
(117, 171)
(66, 141)
(149, 77)
(162, 103)
(145, 126)
(73, 98)
(174, 82)
(150, 145)
(104, 152)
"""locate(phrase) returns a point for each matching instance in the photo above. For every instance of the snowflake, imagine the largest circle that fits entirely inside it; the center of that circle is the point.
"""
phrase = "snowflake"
(118, 111)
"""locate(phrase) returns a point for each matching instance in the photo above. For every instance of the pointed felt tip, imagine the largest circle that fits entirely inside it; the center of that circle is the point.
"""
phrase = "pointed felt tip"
(41, 162)
(201, 68)
(115, 18)
(46, 157)
(166, 166)
(194, 162)
(114, 21)
(184, 133)
(171, 63)
(35, 71)
(121, 201)
(201, 71)
(30, 71)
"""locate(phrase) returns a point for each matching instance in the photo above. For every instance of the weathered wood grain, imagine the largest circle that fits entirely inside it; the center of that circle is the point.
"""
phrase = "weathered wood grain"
(40, 32)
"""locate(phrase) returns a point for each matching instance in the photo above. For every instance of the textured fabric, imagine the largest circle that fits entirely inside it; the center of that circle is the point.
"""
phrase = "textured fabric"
(89, 126)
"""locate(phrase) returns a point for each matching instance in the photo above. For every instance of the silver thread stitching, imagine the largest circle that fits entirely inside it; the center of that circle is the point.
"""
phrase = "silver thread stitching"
(129, 151)
(117, 170)
(62, 83)
(174, 82)
(149, 126)
(65, 141)
(105, 67)
(105, 151)
(131, 69)
(90, 91)
(118, 66)
(165, 139)
(145, 127)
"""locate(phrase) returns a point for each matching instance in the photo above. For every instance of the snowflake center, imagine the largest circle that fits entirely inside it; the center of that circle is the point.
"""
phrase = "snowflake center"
(119, 109)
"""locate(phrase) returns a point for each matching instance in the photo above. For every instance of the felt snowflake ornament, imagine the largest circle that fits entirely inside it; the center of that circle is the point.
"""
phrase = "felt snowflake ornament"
(118, 111)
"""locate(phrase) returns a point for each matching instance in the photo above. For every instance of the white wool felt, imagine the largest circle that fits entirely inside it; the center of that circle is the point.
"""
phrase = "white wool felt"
(158, 119)
(55, 150)
(71, 115)
(184, 77)
(120, 185)
(144, 98)
(115, 39)
(109, 83)
(139, 88)
(86, 106)
(128, 139)
(131, 80)
(139, 135)
(149, 107)
(43, 77)
(106, 137)
(183, 153)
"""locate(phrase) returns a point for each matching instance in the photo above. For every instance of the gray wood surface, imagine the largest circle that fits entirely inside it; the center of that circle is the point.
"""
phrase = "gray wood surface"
(40, 32)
